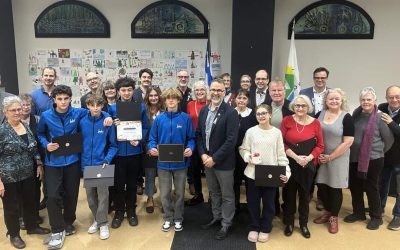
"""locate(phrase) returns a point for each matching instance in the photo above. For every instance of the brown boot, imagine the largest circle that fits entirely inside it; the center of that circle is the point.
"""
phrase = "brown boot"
(333, 224)
(324, 218)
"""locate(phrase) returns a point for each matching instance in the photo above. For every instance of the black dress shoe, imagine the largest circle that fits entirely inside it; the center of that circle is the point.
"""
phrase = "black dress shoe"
(288, 230)
(197, 199)
(17, 242)
(305, 232)
(38, 230)
(211, 224)
(222, 233)
(133, 221)
(117, 220)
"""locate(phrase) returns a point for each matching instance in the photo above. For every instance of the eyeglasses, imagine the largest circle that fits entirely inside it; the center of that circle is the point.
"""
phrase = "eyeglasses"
(14, 110)
(261, 79)
(301, 106)
(320, 78)
(183, 76)
(393, 97)
(219, 91)
(199, 90)
(261, 113)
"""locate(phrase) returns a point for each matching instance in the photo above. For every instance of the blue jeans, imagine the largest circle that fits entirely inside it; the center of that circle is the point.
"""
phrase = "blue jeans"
(386, 175)
(150, 181)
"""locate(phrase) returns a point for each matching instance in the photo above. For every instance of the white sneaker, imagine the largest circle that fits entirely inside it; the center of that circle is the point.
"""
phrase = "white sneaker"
(93, 228)
(104, 232)
(178, 226)
(166, 226)
(56, 240)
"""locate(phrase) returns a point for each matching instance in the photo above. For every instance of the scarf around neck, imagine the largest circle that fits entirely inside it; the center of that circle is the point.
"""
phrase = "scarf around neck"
(366, 143)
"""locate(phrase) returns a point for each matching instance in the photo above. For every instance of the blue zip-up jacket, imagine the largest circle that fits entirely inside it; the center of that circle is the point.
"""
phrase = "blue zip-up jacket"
(172, 128)
(99, 142)
(52, 125)
(125, 148)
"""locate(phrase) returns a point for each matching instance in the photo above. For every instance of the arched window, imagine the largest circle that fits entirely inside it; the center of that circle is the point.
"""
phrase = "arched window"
(169, 19)
(337, 19)
(71, 19)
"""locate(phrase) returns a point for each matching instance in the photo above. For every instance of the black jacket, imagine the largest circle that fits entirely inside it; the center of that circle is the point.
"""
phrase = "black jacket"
(393, 155)
(253, 103)
(223, 137)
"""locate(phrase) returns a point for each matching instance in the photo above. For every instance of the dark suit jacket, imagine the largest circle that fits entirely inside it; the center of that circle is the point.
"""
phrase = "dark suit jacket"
(310, 93)
(393, 155)
(137, 95)
(253, 103)
(224, 133)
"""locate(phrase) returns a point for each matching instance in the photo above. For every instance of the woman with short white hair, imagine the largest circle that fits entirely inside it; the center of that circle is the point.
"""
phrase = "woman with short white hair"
(372, 139)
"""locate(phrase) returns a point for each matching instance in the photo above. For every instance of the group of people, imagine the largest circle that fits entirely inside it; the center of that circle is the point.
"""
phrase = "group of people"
(313, 136)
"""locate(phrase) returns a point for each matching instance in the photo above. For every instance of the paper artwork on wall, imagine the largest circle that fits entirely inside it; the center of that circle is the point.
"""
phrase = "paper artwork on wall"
(73, 64)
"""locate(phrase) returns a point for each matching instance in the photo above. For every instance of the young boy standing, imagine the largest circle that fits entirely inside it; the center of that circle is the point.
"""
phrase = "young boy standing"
(127, 161)
(172, 127)
(99, 147)
(62, 172)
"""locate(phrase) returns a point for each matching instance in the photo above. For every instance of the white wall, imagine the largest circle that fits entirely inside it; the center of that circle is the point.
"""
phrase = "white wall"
(353, 64)
(120, 14)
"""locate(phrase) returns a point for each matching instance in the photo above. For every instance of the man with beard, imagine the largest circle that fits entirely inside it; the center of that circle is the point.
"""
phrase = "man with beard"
(182, 78)
(146, 78)
(93, 82)
(216, 136)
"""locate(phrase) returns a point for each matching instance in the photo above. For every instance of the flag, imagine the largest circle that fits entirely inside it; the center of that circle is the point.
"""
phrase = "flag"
(208, 63)
(292, 76)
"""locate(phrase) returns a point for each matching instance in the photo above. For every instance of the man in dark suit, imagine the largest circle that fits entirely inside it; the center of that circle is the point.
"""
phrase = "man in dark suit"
(260, 94)
(391, 168)
(146, 78)
(317, 92)
(216, 136)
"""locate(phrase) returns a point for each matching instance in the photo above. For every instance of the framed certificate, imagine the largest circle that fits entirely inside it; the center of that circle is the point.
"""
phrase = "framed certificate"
(129, 131)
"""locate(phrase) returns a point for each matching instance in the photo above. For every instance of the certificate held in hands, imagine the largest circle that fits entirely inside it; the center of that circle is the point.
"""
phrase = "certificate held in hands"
(68, 144)
(129, 114)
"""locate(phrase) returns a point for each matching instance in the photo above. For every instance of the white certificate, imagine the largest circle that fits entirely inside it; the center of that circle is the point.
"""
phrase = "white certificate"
(129, 131)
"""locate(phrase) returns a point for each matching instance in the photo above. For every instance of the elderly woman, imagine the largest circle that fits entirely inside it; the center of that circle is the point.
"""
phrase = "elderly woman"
(247, 119)
(18, 153)
(372, 139)
(333, 173)
(154, 106)
(245, 82)
(200, 99)
(303, 144)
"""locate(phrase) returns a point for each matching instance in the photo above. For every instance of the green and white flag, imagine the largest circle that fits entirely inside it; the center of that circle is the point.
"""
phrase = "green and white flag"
(292, 76)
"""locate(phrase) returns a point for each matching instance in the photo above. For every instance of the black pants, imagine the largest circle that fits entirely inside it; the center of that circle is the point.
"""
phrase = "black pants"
(62, 190)
(291, 190)
(260, 222)
(125, 180)
(239, 176)
(16, 193)
(196, 165)
(369, 185)
(36, 195)
(332, 198)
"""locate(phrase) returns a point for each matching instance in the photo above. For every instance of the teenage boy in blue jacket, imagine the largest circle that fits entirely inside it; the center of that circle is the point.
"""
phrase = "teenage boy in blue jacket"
(99, 147)
(62, 172)
(172, 127)
(127, 161)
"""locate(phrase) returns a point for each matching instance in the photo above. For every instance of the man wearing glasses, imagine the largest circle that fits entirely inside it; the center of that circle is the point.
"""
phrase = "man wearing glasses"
(146, 78)
(216, 136)
(93, 82)
(182, 78)
(317, 92)
(260, 95)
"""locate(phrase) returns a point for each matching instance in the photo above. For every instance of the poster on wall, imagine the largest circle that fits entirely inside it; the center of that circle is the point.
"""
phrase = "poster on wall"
(73, 64)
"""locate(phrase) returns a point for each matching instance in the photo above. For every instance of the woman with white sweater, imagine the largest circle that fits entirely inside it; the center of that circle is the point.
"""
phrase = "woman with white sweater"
(263, 145)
